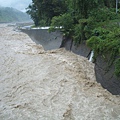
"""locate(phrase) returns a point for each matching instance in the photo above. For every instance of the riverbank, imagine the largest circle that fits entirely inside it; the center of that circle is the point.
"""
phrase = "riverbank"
(49, 85)
(55, 40)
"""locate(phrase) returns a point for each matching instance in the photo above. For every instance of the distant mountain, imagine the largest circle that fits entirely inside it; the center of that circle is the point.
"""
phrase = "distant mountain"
(8, 14)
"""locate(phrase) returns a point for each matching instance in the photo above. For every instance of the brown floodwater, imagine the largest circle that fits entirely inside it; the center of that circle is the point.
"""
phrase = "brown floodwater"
(49, 85)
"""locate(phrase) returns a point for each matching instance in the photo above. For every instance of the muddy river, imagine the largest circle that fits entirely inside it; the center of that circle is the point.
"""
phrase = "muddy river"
(49, 85)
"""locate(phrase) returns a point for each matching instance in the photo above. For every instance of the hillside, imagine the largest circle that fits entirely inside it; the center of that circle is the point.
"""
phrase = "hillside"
(8, 14)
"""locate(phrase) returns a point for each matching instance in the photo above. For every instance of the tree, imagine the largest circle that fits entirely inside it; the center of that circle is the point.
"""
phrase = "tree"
(93, 21)
(33, 12)
(82, 20)
(79, 11)
(84, 7)
(46, 9)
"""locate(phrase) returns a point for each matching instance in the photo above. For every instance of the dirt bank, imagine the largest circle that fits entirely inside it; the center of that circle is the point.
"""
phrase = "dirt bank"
(52, 85)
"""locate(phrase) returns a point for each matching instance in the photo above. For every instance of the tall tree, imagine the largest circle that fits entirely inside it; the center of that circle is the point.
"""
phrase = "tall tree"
(33, 12)
(83, 7)
(46, 9)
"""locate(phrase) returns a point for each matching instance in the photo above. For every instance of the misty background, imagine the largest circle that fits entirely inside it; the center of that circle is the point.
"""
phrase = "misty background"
(17, 4)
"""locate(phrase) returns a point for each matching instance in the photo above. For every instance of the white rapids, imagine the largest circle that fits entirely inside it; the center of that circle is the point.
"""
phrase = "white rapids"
(49, 85)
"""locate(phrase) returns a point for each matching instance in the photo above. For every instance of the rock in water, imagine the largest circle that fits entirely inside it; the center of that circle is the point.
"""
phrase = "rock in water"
(49, 85)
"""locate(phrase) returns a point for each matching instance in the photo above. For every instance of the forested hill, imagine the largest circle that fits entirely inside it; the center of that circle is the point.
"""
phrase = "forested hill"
(8, 14)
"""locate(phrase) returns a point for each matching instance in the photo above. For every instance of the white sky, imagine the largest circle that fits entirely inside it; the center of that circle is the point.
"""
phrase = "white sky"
(18, 4)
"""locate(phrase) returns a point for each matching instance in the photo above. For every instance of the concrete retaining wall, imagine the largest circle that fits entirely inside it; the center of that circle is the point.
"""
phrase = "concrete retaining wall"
(54, 40)
(107, 78)
(48, 40)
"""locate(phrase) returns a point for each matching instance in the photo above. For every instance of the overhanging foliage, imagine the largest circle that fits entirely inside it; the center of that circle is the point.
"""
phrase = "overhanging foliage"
(94, 21)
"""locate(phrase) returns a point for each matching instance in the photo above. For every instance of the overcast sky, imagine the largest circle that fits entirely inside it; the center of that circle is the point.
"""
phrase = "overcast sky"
(18, 4)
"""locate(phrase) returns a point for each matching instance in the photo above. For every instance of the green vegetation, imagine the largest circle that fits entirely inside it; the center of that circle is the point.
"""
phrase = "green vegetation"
(12, 15)
(107, 44)
(93, 21)
(42, 11)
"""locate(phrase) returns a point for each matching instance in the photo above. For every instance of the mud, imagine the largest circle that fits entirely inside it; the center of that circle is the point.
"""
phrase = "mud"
(49, 85)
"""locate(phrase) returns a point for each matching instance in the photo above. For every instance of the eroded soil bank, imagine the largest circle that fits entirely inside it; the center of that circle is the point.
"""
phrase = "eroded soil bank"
(52, 85)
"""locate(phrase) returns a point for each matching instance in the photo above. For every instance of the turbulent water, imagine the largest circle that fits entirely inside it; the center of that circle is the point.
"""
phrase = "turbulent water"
(49, 85)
